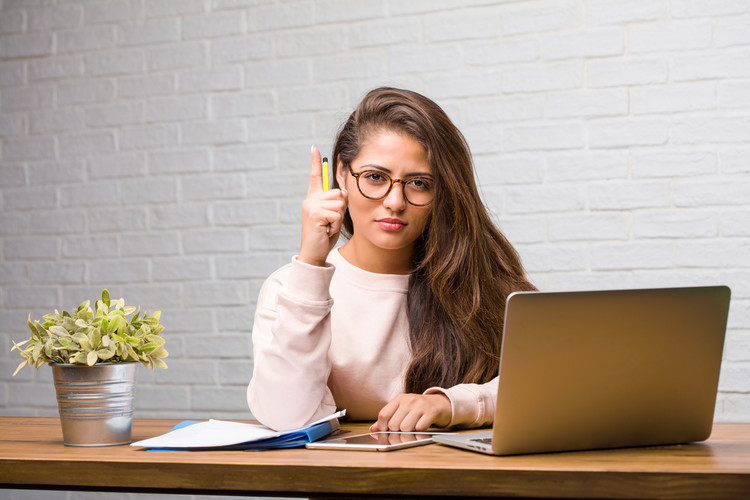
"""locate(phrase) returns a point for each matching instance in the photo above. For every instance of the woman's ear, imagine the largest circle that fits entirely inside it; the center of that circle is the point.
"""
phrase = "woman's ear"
(340, 174)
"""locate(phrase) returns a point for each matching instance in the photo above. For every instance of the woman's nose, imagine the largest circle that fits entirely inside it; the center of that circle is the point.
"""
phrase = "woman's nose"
(395, 199)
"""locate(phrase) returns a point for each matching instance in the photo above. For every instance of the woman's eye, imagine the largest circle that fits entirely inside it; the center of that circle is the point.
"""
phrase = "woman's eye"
(374, 177)
(420, 184)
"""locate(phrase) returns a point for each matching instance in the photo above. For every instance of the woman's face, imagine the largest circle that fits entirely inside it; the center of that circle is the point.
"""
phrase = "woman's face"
(390, 225)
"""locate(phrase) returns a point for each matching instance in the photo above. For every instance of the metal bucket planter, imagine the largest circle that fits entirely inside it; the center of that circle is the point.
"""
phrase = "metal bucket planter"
(95, 402)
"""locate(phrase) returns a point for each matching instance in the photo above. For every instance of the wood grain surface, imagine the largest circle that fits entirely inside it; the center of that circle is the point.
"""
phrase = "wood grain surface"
(32, 455)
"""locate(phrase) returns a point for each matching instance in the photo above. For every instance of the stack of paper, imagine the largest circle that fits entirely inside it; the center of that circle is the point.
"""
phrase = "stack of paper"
(222, 435)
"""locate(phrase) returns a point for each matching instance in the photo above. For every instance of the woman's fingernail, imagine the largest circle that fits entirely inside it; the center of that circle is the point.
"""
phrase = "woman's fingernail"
(312, 148)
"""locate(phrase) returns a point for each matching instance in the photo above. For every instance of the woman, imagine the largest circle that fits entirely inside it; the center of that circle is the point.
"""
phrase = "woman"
(402, 324)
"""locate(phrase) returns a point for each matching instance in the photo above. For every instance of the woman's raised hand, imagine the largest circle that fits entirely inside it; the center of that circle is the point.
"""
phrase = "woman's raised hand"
(322, 216)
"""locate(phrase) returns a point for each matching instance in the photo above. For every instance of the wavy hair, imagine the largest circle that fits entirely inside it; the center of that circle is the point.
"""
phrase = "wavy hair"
(464, 268)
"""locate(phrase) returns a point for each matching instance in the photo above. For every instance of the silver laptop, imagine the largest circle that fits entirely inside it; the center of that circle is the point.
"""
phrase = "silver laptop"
(605, 369)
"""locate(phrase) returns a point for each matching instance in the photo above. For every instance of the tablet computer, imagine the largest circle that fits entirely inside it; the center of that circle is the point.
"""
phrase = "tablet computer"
(374, 441)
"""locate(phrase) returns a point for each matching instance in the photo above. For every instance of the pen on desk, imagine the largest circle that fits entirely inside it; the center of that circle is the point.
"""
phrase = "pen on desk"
(326, 185)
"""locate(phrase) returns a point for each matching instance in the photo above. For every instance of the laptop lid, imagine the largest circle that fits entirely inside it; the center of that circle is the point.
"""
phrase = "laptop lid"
(605, 369)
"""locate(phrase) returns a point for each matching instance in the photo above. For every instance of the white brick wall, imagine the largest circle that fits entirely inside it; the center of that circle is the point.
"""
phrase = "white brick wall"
(160, 149)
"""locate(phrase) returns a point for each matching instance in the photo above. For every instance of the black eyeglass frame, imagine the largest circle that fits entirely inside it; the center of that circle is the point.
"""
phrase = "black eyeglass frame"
(390, 188)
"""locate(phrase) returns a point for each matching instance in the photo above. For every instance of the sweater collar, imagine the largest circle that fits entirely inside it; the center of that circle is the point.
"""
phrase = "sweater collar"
(367, 279)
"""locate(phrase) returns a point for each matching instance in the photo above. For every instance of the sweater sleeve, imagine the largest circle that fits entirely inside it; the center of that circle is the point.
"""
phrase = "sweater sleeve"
(472, 405)
(291, 337)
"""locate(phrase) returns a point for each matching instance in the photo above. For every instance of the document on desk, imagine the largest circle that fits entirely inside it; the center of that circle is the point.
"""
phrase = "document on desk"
(225, 435)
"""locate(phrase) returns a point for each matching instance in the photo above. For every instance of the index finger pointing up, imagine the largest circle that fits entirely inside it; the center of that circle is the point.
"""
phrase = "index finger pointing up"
(316, 172)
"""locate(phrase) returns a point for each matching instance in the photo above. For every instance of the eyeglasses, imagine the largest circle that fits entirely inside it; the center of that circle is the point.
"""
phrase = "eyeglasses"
(375, 185)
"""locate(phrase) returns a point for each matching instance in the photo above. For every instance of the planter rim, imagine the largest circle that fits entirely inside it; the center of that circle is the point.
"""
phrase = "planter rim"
(81, 365)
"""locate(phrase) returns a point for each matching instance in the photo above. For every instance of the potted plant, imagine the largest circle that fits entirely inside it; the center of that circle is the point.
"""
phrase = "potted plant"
(93, 354)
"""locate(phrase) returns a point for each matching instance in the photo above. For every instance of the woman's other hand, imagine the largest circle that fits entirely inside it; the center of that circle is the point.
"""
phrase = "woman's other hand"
(414, 412)
(322, 216)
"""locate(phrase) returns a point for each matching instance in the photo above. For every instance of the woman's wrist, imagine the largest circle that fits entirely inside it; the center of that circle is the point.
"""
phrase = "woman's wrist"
(311, 260)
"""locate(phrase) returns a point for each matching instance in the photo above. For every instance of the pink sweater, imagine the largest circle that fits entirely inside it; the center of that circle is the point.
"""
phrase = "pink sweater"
(336, 337)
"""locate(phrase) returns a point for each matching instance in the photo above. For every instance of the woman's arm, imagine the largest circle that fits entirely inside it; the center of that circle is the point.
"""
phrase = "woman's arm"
(472, 405)
(292, 330)
(291, 337)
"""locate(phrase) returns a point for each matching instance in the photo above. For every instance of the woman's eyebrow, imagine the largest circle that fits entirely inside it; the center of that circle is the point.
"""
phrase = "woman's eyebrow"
(389, 172)
(377, 167)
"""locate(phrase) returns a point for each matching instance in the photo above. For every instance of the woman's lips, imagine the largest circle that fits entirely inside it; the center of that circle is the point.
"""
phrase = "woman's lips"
(391, 224)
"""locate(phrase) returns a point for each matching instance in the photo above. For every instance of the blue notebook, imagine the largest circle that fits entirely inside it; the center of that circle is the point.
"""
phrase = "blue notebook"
(194, 435)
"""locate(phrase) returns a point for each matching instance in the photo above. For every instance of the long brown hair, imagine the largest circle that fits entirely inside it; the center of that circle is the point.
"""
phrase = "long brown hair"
(464, 268)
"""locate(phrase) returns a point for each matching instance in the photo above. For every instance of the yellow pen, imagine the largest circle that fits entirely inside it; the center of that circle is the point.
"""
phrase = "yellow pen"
(326, 185)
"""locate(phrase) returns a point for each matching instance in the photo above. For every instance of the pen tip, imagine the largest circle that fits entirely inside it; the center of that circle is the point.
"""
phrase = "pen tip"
(325, 159)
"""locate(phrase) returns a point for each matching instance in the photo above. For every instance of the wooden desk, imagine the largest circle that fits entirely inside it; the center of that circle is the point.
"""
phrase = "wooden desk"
(32, 456)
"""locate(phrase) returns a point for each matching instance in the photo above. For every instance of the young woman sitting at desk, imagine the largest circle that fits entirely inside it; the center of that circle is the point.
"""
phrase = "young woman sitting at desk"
(401, 324)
